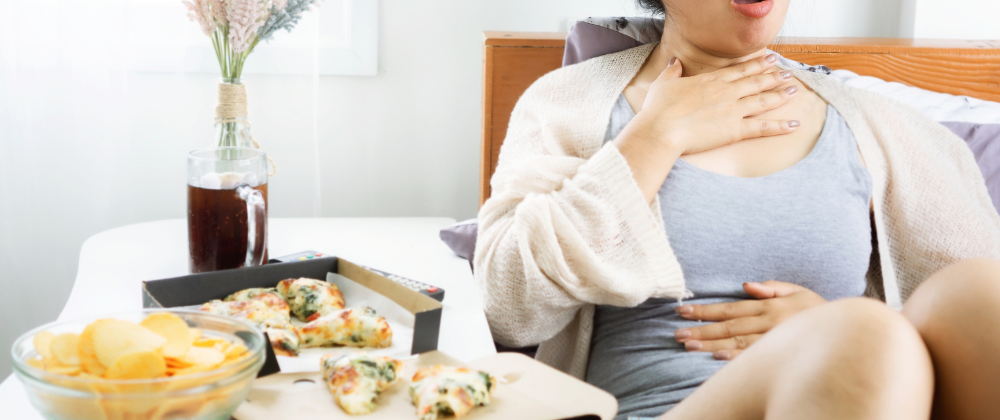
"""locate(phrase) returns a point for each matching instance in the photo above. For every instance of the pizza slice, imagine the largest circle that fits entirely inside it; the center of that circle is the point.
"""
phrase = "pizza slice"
(269, 296)
(284, 341)
(449, 390)
(310, 299)
(355, 327)
(356, 380)
(277, 324)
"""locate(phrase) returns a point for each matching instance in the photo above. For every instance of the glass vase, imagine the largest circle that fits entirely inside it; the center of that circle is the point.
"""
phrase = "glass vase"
(231, 126)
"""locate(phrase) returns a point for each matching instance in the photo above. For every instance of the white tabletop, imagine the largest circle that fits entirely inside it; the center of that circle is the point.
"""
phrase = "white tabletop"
(114, 263)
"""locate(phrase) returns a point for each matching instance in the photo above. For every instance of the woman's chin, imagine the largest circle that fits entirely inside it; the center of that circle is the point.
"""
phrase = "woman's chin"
(751, 38)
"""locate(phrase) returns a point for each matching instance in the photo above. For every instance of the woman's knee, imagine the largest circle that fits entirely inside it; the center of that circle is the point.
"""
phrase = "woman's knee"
(961, 292)
(871, 327)
(870, 354)
(859, 334)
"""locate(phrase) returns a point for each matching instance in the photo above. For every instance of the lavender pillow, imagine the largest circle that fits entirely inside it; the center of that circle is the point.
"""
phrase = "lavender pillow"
(594, 37)
(461, 238)
(984, 140)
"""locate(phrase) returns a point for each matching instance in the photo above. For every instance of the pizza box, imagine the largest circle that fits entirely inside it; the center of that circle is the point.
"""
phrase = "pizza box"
(526, 390)
(414, 318)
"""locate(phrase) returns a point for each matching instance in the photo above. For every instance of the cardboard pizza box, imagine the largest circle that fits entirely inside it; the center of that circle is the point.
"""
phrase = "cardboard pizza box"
(526, 390)
(415, 317)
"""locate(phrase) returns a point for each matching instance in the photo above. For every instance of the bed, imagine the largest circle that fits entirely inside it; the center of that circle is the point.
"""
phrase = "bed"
(513, 60)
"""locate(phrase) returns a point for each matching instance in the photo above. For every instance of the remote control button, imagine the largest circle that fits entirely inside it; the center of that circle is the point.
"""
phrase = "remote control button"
(302, 258)
(432, 289)
(310, 257)
(319, 254)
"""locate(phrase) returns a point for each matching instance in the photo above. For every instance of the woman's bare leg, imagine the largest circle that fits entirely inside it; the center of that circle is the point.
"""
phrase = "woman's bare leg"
(957, 312)
(848, 359)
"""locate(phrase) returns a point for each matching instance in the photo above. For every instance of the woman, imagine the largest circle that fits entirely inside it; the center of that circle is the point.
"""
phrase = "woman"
(770, 201)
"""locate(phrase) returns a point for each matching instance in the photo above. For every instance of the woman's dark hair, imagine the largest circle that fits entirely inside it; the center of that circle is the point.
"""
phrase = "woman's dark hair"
(653, 6)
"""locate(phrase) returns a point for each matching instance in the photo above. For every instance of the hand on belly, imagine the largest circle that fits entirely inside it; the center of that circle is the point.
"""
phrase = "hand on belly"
(740, 324)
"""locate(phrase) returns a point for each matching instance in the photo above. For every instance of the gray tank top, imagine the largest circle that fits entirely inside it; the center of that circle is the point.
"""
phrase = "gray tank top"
(808, 225)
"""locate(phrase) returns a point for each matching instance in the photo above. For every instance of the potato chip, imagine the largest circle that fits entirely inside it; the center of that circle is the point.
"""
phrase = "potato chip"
(174, 329)
(65, 348)
(177, 408)
(63, 370)
(112, 409)
(234, 351)
(115, 338)
(42, 341)
(192, 370)
(208, 342)
(35, 363)
(51, 362)
(137, 365)
(176, 362)
(203, 356)
(195, 333)
(88, 358)
(229, 362)
(67, 407)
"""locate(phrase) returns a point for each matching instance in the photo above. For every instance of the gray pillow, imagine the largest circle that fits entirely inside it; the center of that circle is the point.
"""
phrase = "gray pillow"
(461, 238)
(594, 37)
(984, 140)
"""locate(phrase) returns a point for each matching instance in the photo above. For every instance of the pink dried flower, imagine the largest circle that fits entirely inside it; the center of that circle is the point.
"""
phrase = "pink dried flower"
(198, 11)
(245, 18)
(219, 11)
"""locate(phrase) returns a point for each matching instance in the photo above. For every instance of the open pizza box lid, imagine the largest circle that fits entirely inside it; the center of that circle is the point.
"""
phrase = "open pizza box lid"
(526, 390)
(414, 317)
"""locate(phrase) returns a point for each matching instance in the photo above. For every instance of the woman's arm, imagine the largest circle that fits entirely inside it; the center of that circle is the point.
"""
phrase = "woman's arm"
(561, 231)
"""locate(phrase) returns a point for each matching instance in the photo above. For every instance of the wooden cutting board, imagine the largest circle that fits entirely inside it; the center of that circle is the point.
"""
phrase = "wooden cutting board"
(527, 390)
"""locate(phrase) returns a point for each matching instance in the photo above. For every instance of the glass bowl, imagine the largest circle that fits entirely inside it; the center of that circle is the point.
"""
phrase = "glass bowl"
(211, 395)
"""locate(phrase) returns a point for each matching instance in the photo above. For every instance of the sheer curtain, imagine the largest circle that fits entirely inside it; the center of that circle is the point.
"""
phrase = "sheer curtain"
(95, 127)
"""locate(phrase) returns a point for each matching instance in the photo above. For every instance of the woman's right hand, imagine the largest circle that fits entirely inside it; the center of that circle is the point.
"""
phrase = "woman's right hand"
(693, 114)
(711, 110)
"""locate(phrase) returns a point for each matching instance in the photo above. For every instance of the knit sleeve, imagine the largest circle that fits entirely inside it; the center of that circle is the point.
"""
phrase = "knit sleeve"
(561, 231)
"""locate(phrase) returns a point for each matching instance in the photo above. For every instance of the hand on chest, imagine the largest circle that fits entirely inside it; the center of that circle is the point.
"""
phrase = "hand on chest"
(768, 155)
(761, 156)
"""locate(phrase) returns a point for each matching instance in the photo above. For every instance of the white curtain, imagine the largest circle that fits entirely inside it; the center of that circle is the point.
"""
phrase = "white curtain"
(89, 143)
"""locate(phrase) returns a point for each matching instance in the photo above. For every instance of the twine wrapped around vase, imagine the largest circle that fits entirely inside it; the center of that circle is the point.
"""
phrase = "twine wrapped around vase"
(232, 107)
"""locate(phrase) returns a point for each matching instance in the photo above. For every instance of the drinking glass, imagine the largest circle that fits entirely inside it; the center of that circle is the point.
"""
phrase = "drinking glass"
(227, 208)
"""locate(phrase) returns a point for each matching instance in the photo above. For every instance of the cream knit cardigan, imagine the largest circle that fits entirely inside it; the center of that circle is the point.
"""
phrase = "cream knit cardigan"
(567, 227)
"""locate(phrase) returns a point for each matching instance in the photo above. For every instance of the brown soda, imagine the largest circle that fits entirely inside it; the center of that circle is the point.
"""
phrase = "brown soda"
(217, 229)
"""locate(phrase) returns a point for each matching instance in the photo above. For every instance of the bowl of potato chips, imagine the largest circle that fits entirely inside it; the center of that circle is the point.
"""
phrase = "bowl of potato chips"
(152, 364)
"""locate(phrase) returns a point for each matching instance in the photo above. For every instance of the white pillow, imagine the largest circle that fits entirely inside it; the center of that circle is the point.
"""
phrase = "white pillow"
(938, 106)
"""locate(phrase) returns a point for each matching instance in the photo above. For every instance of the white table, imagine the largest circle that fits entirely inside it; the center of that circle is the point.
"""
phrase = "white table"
(114, 263)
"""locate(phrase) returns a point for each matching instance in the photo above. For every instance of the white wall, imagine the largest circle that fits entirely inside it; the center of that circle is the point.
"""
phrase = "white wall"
(842, 18)
(86, 147)
(951, 19)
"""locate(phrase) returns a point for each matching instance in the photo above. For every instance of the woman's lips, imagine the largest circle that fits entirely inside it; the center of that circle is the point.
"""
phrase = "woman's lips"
(755, 9)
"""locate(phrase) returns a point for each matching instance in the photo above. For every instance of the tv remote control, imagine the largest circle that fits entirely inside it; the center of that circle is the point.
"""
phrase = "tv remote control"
(434, 292)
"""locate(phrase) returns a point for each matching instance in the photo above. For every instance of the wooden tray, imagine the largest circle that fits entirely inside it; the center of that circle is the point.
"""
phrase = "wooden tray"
(528, 390)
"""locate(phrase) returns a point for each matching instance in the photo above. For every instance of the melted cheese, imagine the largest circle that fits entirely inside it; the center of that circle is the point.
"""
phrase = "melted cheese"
(269, 296)
(310, 299)
(449, 390)
(277, 324)
(355, 327)
(356, 380)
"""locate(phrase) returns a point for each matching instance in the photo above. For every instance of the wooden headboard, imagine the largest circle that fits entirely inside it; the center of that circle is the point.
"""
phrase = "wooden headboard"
(514, 60)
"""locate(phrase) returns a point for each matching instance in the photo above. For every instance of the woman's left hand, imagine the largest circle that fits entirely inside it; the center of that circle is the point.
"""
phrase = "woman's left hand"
(740, 324)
